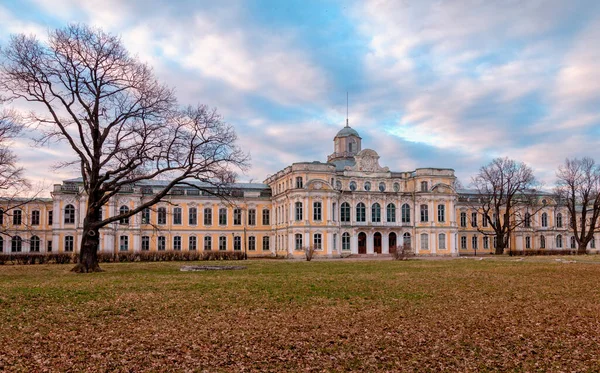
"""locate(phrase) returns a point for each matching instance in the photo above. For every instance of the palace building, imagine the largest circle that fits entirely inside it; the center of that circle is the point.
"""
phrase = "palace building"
(349, 204)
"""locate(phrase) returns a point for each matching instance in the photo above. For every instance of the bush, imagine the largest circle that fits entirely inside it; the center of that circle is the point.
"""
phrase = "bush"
(403, 252)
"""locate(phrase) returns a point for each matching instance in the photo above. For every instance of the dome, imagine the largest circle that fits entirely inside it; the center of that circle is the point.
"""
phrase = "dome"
(347, 131)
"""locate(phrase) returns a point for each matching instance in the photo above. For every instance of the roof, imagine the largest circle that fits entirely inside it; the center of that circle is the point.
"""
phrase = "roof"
(200, 184)
(347, 131)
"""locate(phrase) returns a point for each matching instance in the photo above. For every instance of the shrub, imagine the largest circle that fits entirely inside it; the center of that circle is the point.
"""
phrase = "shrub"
(403, 252)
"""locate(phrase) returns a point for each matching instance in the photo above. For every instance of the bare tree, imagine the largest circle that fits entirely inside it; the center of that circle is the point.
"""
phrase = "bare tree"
(122, 125)
(578, 186)
(505, 193)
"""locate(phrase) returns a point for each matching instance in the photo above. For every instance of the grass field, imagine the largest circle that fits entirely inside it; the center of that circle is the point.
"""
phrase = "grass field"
(422, 315)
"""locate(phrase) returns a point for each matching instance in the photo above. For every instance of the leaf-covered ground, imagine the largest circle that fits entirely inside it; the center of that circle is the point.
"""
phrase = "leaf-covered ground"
(536, 314)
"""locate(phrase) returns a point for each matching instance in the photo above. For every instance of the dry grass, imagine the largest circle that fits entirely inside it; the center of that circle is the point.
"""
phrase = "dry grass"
(459, 315)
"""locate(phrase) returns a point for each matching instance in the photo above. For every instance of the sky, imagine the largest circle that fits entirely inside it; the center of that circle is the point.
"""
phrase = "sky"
(448, 84)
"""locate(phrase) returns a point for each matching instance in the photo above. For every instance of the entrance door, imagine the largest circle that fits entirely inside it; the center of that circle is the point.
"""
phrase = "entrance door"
(392, 242)
(377, 243)
(362, 243)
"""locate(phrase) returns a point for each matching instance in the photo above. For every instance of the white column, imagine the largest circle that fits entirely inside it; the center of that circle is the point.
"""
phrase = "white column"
(354, 244)
(385, 244)
(370, 243)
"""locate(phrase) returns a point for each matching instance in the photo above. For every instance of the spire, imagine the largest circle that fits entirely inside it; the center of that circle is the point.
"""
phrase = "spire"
(347, 125)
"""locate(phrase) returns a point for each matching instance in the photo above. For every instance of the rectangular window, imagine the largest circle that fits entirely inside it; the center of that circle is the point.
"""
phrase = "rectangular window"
(463, 242)
(391, 213)
(193, 243)
(298, 241)
(424, 213)
(35, 217)
(442, 241)
(441, 213)
(222, 243)
(49, 246)
(299, 183)
(474, 242)
(317, 241)
(252, 217)
(146, 216)
(177, 243)
(298, 211)
(208, 216)
(69, 244)
(252, 243)
(222, 216)
(528, 242)
(424, 241)
(484, 221)
(50, 220)
(473, 219)
(192, 216)
(345, 242)
(162, 215)
(145, 243)
(17, 217)
(237, 243)
(237, 216)
(266, 243)
(162, 243)
(463, 219)
(177, 216)
(345, 213)
(317, 211)
(124, 243)
(486, 242)
(207, 243)
(334, 212)
(265, 217)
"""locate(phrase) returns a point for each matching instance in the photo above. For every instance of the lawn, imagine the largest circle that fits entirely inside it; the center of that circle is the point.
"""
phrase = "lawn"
(536, 314)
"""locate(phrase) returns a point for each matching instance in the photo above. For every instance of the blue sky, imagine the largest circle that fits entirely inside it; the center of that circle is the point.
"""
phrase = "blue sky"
(431, 83)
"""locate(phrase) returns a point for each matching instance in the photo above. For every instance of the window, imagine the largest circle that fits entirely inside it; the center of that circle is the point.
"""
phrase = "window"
(559, 220)
(382, 187)
(49, 246)
(542, 242)
(208, 216)
(177, 216)
(317, 241)
(338, 185)
(317, 211)
(353, 186)
(298, 239)
(345, 241)
(345, 213)
(124, 243)
(266, 217)
(237, 216)
(124, 210)
(494, 220)
(69, 214)
(544, 220)
(360, 212)
(222, 216)
(559, 241)
(237, 243)
(473, 219)
(50, 220)
(69, 244)
(162, 243)
(162, 216)
(593, 243)
(441, 241)
(474, 242)
(1, 244)
(298, 211)
(192, 216)
(424, 241)
(299, 183)
(572, 242)
(1, 217)
(252, 243)
(463, 219)
(463, 242)
(35, 218)
(406, 239)
(495, 242)
(424, 213)
(486, 242)
(16, 244)
(367, 186)
(192, 243)
(376, 213)
(252, 217)
(423, 186)
(391, 213)
(396, 187)
(207, 243)
(527, 222)
(484, 220)
(334, 211)
(405, 213)
(222, 243)
(146, 215)
(528, 242)
(266, 243)
(441, 213)
(177, 243)
(145, 243)
(34, 244)
(17, 217)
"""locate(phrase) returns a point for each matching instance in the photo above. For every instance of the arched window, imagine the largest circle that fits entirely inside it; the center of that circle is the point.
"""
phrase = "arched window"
(542, 242)
(544, 220)
(382, 187)
(345, 212)
(124, 210)
(69, 244)
(298, 238)
(424, 186)
(16, 244)
(376, 213)
(572, 242)
(559, 220)
(391, 213)
(360, 212)
(353, 186)
(162, 215)
(346, 241)
(298, 211)
(424, 241)
(559, 242)
(441, 241)
(424, 213)
(527, 222)
(406, 239)
(69, 214)
(405, 213)
(34, 244)
(367, 186)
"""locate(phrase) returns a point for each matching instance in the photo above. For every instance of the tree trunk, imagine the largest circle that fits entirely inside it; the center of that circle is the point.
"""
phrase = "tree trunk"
(582, 249)
(499, 250)
(88, 253)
